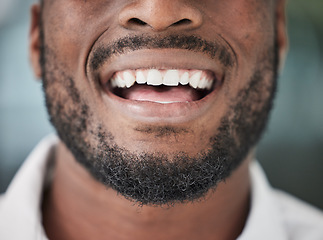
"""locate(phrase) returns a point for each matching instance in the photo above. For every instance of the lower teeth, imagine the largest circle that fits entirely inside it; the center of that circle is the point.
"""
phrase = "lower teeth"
(195, 94)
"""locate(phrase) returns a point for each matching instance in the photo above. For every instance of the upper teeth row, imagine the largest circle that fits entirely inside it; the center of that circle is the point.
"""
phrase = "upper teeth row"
(195, 78)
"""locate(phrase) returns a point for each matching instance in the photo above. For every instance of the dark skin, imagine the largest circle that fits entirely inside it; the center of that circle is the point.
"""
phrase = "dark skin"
(99, 213)
(248, 26)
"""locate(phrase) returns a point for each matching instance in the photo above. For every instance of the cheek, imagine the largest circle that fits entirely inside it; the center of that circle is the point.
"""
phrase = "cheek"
(71, 27)
(248, 27)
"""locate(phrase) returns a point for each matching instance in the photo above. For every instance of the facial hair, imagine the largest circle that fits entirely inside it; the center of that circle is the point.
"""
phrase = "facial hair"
(154, 178)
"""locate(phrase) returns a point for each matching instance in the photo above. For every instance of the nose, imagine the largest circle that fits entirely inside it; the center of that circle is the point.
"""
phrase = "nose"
(160, 15)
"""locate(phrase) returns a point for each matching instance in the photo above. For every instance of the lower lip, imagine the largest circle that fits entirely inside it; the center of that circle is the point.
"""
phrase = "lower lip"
(154, 112)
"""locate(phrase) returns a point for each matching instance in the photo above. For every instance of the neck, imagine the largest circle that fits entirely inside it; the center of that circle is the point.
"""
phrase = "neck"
(78, 207)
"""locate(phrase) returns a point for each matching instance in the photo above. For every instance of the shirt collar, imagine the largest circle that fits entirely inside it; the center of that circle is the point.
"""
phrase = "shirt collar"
(21, 205)
(264, 221)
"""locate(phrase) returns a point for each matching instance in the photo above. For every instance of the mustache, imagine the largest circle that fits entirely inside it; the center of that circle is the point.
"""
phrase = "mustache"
(217, 49)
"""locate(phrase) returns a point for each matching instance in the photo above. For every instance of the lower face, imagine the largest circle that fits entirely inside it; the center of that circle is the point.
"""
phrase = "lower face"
(158, 132)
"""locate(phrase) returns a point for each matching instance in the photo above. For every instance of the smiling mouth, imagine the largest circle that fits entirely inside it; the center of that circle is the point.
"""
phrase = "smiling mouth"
(163, 85)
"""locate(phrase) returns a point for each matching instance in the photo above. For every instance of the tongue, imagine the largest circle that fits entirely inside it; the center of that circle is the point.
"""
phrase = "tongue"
(160, 94)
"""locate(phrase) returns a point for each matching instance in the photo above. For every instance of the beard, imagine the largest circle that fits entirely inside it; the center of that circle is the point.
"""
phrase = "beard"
(155, 178)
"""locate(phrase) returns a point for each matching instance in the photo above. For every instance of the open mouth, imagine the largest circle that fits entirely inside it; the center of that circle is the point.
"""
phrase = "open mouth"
(163, 85)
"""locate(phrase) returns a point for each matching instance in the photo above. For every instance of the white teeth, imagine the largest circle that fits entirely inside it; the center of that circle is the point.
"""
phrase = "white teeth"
(202, 83)
(120, 82)
(140, 77)
(195, 78)
(168, 102)
(185, 78)
(171, 78)
(205, 84)
(154, 77)
(129, 79)
(209, 85)
(114, 82)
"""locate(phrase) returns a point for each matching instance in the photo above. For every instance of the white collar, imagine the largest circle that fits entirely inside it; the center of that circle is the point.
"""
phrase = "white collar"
(264, 221)
(20, 208)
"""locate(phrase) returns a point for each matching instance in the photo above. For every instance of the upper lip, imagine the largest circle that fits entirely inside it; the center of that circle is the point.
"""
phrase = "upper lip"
(159, 59)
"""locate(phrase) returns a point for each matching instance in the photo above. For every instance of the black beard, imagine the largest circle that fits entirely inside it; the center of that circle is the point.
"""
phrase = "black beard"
(154, 179)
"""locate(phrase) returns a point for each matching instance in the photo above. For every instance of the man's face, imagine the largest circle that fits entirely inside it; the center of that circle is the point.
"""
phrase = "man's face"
(159, 100)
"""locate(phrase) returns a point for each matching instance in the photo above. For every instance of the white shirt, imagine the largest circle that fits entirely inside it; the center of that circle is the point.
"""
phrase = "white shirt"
(274, 215)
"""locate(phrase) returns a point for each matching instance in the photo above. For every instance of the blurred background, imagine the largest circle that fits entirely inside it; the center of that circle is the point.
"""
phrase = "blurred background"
(291, 150)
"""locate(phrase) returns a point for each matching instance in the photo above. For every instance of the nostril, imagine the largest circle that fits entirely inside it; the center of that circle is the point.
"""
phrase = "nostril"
(137, 21)
(184, 21)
